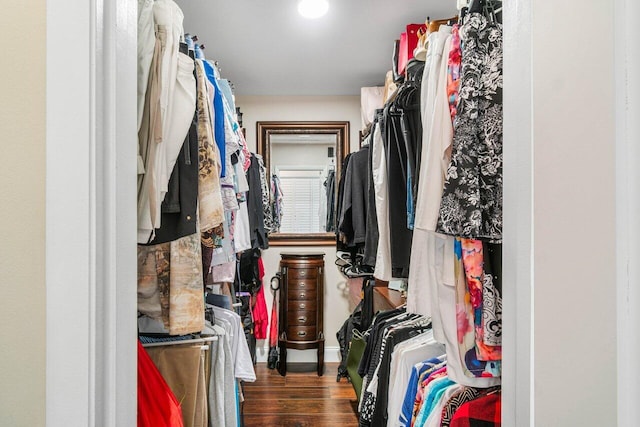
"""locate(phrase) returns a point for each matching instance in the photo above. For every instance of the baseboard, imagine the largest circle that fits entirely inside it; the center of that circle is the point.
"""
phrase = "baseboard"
(331, 355)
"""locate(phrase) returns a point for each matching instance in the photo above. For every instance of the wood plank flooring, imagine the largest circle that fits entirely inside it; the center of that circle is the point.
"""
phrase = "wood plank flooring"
(301, 399)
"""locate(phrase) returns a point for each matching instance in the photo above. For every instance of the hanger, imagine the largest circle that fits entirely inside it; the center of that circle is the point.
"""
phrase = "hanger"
(493, 11)
(181, 342)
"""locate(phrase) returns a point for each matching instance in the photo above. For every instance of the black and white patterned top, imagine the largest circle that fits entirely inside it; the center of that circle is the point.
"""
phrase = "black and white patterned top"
(472, 197)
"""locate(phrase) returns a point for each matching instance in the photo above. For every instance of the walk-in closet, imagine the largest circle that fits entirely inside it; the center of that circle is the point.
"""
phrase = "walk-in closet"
(319, 212)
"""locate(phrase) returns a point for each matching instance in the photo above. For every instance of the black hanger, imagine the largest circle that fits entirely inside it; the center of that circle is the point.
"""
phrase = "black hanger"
(493, 11)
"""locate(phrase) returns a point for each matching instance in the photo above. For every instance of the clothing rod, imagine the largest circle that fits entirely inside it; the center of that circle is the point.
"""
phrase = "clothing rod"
(193, 341)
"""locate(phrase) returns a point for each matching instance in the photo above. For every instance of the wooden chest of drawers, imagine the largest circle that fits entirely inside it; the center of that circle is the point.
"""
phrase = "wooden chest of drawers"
(301, 305)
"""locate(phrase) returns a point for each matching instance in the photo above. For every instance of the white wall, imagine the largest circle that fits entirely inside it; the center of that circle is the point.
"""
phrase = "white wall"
(91, 213)
(22, 214)
(574, 215)
(300, 155)
(560, 118)
(628, 205)
(307, 108)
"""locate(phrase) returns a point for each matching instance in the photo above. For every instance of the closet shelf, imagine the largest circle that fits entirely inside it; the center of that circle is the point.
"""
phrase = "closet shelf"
(387, 299)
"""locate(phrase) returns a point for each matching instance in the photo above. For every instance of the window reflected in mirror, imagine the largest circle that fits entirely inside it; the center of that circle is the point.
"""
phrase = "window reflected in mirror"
(304, 167)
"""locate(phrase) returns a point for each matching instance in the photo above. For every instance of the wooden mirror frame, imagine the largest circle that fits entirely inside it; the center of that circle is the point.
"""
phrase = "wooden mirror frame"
(264, 130)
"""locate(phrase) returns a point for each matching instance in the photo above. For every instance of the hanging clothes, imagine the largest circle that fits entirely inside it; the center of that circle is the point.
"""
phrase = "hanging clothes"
(396, 156)
(209, 193)
(183, 369)
(277, 201)
(472, 197)
(255, 207)
(353, 216)
(260, 316)
(330, 189)
(179, 207)
(157, 404)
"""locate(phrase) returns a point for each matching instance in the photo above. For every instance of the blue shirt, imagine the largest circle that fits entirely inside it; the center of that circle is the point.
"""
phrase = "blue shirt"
(218, 120)
(437, 387)
(412, 388)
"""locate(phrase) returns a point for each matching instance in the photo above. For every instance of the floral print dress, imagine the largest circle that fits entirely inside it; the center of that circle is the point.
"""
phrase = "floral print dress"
(472, 196)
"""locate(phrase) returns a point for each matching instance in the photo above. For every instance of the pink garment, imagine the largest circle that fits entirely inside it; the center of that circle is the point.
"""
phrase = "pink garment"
(473, 260)
(260, 314)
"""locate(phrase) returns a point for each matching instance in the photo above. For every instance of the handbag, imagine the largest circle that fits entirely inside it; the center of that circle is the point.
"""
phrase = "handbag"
(356, 350)
(408, 43)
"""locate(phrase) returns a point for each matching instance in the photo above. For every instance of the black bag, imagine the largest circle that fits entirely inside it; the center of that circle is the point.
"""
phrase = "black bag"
(344, 336)
(360, 320)
(248, 277)
(272, 359)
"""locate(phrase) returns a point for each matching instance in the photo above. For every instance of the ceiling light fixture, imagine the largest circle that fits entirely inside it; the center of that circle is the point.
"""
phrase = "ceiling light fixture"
(313, 9)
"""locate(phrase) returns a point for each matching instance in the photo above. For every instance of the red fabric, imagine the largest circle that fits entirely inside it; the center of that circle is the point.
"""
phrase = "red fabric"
(260, 269)
(260, 315)
(157, 405)
(484, 411)
(408, 43)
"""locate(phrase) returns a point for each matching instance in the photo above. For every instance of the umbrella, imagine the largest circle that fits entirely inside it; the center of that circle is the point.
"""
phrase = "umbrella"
(272, 360)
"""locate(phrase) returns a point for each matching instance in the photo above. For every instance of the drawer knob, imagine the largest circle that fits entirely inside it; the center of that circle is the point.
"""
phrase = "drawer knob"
(302, 295)
(302, 284)
(303, 273)
(303, 305)
(302, 319)
(302, 333)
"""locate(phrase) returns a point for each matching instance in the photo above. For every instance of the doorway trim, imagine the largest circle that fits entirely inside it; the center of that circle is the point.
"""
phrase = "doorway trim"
(518, 269)
(627, 77)
(91, 218)
(91, 213)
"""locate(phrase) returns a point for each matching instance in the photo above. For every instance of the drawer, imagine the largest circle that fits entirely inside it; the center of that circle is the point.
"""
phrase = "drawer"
(302, 284)
(302, 273)
(301, 333)
(302, 294)
(301, 305)
(301, 318)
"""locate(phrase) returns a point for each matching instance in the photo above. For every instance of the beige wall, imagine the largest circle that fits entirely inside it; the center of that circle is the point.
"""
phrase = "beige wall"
(574, 224)
(299, 108)
(22, 214)
(307, 108)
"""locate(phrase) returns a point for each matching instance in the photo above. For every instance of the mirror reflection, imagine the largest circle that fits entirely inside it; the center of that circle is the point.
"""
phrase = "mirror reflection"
(304, 160)
(303, 174)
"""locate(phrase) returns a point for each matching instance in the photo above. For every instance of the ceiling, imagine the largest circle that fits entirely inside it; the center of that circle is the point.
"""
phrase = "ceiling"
(265, 48)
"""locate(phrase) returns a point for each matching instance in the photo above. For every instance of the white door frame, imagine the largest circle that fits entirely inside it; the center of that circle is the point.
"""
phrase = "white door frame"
(90, 213)
(627, 62)
(518, 348)
(91, 219)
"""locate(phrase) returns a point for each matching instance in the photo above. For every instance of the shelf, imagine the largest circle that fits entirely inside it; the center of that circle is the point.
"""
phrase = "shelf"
(386, 299)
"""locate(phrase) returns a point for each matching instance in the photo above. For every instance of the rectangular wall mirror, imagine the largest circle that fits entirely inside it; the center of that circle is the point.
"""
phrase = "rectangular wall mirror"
(304, 161)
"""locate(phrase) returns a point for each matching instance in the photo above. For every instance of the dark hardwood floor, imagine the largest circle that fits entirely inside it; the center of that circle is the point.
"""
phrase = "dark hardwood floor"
(301, 399)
